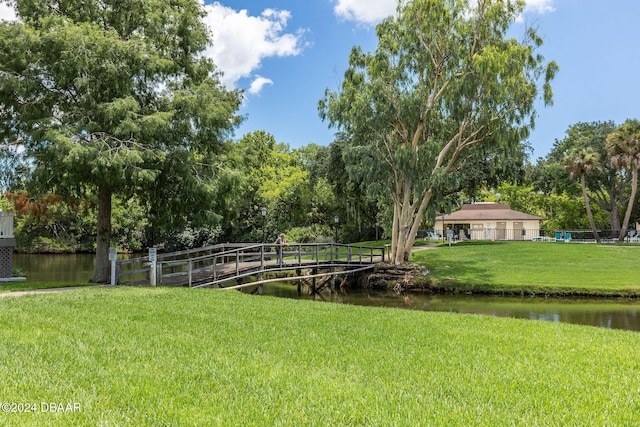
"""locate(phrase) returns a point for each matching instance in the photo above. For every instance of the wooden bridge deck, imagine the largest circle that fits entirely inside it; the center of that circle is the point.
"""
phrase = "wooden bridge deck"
(230, 264)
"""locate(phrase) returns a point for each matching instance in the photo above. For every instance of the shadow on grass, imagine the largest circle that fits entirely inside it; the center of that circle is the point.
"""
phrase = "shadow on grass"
(483, 243)
(457, 273)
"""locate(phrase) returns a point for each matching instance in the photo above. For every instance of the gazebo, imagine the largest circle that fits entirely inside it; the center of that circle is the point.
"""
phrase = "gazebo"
(489, 221)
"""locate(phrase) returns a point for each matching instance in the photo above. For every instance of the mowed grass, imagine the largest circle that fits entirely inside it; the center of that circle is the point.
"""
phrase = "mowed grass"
(535, 267)
(153, 357)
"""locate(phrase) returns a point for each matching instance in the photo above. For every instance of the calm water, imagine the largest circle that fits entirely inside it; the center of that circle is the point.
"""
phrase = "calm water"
(607, 313)
(55, 268)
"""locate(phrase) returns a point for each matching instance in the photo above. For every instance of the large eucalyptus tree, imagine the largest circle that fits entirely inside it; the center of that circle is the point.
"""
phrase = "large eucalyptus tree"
(106, 95)
(444, 79)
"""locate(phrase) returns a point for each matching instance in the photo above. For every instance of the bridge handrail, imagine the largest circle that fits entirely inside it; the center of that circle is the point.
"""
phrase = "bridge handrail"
(236, 253)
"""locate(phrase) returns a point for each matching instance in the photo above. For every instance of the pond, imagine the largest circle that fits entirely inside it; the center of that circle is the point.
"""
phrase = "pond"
(607, 313)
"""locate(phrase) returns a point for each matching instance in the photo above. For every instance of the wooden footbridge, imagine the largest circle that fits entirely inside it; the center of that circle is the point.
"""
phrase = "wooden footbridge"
(239, 265)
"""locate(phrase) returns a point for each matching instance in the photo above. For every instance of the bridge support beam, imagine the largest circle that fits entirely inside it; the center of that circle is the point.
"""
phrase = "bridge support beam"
(333, 281)
(313, 281)
(259, 288)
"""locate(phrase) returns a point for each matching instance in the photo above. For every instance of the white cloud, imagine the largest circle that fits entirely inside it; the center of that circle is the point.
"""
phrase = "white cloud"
(7, 13)
(364, 11)
(241, 41)
(539, 6)
(258, 83)
(373, 11)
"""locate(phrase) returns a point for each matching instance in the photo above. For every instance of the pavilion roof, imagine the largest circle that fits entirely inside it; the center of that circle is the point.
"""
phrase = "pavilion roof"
(487, 212)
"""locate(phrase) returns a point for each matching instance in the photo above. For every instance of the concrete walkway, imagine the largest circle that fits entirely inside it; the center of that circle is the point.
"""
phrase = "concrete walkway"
(49, 290)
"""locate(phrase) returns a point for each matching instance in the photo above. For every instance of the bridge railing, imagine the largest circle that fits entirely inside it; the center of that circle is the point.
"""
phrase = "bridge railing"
(228, 261)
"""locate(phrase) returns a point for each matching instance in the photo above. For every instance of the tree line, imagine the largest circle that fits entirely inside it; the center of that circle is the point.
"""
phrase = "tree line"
(304, 189)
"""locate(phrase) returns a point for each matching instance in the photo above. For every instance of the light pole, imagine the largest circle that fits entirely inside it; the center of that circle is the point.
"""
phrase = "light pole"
(263, 210)
(336, 219)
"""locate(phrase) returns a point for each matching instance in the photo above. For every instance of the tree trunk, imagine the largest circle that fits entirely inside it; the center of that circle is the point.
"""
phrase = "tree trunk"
(417, 220)
(101, 270)
(592, 223)
(632, 199)
(614, 216)
(394, 231)
(406, 227)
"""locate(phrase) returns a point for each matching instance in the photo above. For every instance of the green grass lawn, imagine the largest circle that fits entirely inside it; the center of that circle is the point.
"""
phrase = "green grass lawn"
(535, 267)
(151, 357)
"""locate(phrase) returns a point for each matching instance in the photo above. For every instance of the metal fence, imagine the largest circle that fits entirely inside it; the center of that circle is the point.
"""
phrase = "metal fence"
(606, 236)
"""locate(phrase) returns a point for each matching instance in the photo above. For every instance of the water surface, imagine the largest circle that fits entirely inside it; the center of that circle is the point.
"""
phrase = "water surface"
(606, 313)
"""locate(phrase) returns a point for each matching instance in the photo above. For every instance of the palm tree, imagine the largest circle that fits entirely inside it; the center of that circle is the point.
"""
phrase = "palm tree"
(581, 163)
(623, 148)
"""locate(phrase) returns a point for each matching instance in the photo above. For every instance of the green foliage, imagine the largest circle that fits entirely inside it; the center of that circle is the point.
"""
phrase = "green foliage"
(316, 233)
(188, 238)
(206, 357)
(292, 185)
(52, 224)
(129, 224)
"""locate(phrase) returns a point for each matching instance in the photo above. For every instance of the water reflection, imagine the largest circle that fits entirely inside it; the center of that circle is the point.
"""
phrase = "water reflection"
(55, 267)
(614, 314)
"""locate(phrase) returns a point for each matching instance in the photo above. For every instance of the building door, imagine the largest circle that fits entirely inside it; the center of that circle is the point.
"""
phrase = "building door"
(518, 231)
(501, 228)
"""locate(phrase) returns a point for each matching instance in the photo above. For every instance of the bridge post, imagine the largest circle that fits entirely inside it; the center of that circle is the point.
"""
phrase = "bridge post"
(113, 253)
(153, 259)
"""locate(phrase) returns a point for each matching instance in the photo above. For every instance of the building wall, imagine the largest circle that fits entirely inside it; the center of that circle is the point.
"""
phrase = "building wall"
(495, 229)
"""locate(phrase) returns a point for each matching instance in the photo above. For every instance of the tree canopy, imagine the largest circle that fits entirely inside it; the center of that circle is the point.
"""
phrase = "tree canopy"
(106, 95)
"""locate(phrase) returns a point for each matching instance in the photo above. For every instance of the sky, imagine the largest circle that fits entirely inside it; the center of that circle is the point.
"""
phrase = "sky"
(284, 54)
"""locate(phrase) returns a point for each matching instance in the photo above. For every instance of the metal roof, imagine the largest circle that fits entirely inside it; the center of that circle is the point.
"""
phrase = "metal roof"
(487, 212)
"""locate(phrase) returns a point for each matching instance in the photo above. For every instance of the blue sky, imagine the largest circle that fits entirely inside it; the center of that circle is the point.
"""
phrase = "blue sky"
(285, 53)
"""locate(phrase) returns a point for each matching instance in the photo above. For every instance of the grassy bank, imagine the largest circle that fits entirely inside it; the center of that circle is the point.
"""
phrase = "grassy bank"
(534, 268)
(149, 357)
